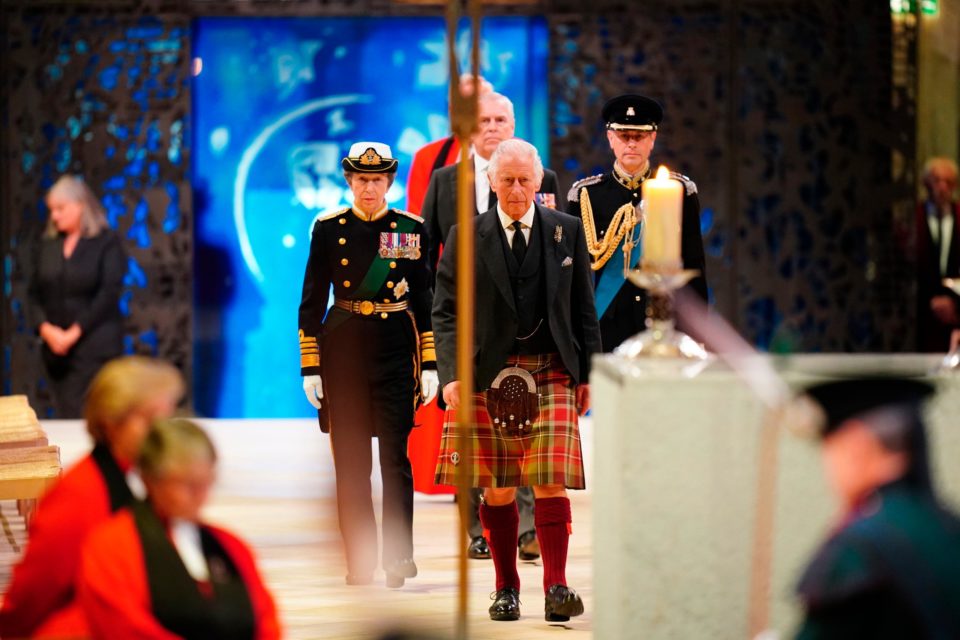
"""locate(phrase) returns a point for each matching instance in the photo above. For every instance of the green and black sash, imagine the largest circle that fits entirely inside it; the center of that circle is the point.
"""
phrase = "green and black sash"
(176, 599)
(113, 477)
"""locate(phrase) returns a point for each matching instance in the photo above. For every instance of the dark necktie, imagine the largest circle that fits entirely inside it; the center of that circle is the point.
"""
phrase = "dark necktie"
(519, 244)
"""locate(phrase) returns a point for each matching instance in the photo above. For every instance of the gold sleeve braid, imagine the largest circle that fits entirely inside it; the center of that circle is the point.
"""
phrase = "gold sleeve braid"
(428, 349)
(309, 351)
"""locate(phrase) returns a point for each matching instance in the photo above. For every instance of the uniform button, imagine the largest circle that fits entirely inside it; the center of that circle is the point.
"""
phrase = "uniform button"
(344, 220)
(386, 299)
(389, 284)
(342, 241)
(637, 298)
(344, 262)
(634, 194)
(384, 315)
(393, 265)
(393, 225)
(346, 283)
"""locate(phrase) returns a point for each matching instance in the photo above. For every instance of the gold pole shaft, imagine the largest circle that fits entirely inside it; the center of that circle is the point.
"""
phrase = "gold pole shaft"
(463, 111)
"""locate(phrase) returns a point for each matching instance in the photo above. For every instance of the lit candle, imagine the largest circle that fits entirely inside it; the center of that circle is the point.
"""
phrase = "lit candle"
(662, 204)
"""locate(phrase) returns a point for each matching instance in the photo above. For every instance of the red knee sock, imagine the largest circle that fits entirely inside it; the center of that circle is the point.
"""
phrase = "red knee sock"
(552, 519)
(502, 523)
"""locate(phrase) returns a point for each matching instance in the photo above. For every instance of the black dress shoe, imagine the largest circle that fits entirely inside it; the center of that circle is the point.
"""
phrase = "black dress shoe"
(561, 603)
(528, 545)
(356, 579)
(405, 568)
(397, 572)
(478, 549)
(506, 604)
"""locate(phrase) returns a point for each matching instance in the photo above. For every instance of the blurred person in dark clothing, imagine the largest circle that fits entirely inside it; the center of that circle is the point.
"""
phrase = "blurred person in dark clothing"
(75, 292)
(891, 568)
(937, 256)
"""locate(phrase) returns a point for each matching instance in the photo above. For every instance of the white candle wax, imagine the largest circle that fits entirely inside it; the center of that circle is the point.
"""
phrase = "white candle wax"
(662, 203)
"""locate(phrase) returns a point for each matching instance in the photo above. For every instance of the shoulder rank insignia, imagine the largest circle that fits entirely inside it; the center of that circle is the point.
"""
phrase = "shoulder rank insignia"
(410, 215)
(574, 194)
(332, 215)
(688, 184)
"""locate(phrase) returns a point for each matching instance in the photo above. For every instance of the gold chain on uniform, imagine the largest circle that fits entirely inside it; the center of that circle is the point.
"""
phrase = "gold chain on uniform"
(624, 220)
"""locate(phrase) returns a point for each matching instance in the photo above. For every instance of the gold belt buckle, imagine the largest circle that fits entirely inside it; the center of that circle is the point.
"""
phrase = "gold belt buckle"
(366, 308)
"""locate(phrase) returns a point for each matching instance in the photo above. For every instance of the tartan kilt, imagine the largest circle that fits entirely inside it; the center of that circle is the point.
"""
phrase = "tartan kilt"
(549, 453)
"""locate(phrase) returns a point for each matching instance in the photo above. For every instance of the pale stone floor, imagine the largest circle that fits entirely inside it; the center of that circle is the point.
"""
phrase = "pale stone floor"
(276, 490)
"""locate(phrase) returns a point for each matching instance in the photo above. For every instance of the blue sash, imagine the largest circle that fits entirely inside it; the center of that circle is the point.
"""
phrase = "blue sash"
(611, 278)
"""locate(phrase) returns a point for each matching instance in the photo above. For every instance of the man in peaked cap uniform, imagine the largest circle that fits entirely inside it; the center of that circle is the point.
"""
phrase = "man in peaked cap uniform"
(892, 567)
(632, 122)
(369, 362)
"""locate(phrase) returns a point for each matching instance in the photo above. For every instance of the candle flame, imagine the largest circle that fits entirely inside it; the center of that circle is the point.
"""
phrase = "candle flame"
(662, 173)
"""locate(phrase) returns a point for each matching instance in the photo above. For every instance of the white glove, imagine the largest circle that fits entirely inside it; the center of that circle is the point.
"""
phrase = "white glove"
(429, 383)
(313, 389)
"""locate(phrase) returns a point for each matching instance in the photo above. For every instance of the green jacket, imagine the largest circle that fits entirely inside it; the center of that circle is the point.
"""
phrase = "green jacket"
(892, 572)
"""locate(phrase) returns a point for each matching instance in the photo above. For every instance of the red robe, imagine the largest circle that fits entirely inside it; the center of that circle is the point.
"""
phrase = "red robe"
(113, 591)
(40, 601)
(423, 447)
(421, 168)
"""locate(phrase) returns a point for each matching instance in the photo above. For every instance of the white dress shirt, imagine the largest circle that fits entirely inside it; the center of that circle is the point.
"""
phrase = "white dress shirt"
(481, 182)
(526, 224)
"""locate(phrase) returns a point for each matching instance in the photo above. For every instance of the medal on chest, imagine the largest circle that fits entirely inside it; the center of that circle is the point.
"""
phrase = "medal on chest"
(400, 245)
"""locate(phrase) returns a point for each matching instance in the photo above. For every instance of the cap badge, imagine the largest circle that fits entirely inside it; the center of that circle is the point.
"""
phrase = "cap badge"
(631, 112)
(370, 156)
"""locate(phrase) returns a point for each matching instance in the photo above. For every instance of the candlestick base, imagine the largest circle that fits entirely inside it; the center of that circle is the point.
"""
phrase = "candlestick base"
(661, 347)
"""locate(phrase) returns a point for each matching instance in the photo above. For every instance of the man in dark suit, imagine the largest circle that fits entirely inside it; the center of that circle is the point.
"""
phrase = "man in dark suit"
(937, 256)
(496, 123)
(632, 122)
(535, 334)
(439, 212)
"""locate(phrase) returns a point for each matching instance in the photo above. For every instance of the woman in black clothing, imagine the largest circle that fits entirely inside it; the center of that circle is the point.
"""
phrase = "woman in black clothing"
(75, 292)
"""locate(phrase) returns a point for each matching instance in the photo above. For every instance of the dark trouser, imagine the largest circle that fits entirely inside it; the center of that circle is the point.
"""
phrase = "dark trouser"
(368, 380)
(524, 506)
(69, 377)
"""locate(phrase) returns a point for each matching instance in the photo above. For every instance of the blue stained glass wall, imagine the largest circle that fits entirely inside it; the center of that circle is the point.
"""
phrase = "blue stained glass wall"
(277, 103)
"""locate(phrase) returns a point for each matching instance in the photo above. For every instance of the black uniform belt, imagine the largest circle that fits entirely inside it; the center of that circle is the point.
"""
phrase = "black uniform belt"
(369, 307)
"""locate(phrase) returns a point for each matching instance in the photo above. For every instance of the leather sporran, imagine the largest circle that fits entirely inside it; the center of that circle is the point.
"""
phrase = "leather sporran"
(513, 402)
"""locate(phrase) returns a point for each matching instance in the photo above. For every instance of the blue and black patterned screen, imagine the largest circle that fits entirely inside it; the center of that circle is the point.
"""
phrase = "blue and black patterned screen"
(277, 103)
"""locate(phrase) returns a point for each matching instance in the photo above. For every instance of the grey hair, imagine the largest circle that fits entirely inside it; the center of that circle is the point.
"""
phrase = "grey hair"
(892, 426)
(173, 441)
(93, 220)
(493, 96)
(939, 161)
(515, 147)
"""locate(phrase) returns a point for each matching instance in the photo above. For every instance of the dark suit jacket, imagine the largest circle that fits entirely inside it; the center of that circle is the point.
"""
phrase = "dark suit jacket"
(439, 210)
(932, 335)
(572, 316)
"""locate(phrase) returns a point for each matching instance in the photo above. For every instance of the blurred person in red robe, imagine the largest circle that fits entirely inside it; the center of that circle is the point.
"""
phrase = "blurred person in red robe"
(126, 395)
(155, 571)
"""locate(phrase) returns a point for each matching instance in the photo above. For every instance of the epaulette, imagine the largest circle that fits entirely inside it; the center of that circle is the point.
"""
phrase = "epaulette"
(574, 194)
(410, 215)
(332, 215)
(688, 184)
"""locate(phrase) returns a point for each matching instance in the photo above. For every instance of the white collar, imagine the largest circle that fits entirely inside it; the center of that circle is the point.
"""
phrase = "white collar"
(506, 221)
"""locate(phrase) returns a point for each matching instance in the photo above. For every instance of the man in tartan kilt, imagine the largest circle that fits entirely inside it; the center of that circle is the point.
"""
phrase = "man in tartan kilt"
(536, 329)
